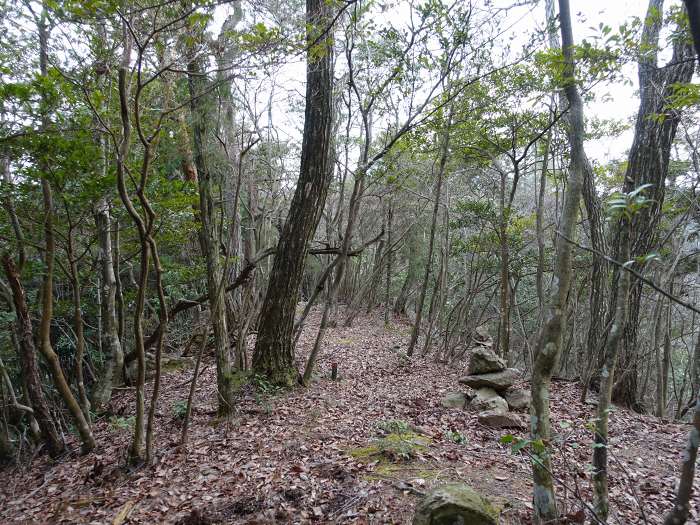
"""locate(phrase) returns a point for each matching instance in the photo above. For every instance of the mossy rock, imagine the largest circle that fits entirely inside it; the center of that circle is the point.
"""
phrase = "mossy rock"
(455, 504)
(394, 448)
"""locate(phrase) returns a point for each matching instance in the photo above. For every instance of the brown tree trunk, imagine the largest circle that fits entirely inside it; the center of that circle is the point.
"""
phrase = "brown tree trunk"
(274, 352)
(30, 370)
(77, 322)
(648, 164)
(81, 423)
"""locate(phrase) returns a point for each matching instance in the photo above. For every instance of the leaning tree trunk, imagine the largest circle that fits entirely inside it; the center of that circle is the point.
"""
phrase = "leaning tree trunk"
(549, 339)
(274, 352)
(30, 370)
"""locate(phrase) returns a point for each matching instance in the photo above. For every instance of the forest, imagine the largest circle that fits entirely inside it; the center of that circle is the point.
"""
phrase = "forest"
(349, 261)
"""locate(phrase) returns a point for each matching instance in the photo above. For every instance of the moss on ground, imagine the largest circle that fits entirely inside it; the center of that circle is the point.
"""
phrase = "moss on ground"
(393, 448)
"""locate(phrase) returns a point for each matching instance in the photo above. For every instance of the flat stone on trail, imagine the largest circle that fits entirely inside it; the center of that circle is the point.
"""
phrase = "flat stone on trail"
(484, 360)
(455, 400)
(499, 381)
(494, 419)
(487, 399)
(517, 398)
(455, 504)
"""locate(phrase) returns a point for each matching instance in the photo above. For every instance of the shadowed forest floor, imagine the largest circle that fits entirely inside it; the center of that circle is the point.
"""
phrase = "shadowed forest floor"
(297, 456)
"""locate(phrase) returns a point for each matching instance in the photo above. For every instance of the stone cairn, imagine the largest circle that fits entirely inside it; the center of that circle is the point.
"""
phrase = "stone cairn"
(494, 395)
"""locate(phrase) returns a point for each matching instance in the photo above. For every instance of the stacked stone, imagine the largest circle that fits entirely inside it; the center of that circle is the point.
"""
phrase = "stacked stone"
(495, 393)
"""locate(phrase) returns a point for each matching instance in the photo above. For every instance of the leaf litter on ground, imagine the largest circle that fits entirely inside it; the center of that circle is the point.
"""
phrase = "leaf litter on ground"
(288, 457)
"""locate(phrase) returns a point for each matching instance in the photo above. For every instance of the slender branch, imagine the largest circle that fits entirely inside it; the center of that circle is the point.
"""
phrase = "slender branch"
(635, 273)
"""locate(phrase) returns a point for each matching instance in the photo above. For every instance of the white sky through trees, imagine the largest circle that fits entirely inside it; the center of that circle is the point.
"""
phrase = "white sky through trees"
(612, 100)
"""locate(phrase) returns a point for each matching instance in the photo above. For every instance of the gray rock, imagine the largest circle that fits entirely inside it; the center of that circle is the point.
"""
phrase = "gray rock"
(499, 381)
(482, 333)
(455, 504)
(484, 360)
(454, 400)
(494, 419)
(487, 399)
(517, 398)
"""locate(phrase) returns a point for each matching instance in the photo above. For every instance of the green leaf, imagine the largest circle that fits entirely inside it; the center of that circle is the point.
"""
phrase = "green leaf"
(505, 440)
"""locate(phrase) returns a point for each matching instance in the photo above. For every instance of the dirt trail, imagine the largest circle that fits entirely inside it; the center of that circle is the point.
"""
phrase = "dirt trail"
(291, 457)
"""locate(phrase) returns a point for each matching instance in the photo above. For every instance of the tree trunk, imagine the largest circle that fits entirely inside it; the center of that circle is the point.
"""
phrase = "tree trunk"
(657, 334)
(81, 423)
(354, 207)
(549, 339)
(77, 322)
(401, 303)
(681, 510)
(389, 263)
(111, 344)
(30, 370)
(274, 352)
(648, 164)
(612, 346)
(209, 233)
(118, 288)
(415, 332)
(539, 220)
(504, 326)
(376, 279)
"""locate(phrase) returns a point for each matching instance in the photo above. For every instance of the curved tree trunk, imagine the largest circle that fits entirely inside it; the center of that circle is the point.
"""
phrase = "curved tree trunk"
(44, 336)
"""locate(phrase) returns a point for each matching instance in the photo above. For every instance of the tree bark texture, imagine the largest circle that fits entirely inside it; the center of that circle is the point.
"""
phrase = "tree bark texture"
(274, 352)
(30, 369)
(648, 164)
